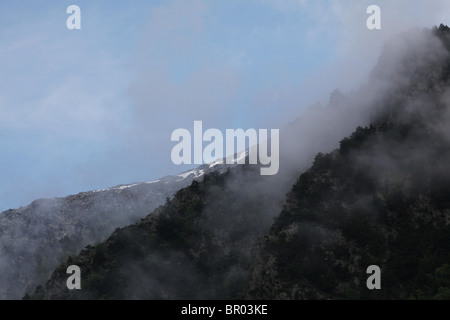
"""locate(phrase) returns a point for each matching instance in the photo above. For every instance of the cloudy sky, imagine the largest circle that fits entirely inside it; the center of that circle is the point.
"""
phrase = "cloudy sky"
(93, 108)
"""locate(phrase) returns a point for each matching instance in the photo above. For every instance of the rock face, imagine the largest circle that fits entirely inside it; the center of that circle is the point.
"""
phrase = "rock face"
(382, 198)
(36, 238)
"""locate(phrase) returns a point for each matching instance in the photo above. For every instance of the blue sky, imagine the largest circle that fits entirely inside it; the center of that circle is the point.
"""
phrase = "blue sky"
(92, 108)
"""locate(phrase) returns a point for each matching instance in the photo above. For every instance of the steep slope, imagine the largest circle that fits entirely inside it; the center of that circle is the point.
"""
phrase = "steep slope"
(36, 238)
(195, 246)
(25, 244)
(381, 198)
(367, 204)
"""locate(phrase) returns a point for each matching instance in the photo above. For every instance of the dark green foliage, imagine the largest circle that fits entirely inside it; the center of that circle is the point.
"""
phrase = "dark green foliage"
(382, 198)
(379, 217)
(197, 245)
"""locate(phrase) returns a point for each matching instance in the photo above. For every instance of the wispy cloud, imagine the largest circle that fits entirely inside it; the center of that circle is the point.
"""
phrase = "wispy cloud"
(104, 100)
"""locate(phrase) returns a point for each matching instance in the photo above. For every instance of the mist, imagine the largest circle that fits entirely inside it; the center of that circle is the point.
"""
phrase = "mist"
(177, 80)
(232, 213)
(253, 65)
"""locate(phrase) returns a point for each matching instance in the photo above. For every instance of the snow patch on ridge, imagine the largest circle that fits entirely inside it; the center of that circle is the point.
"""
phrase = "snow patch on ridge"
(195, 172)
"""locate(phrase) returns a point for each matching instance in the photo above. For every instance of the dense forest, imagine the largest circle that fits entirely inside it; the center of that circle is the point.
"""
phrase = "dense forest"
(382, 198)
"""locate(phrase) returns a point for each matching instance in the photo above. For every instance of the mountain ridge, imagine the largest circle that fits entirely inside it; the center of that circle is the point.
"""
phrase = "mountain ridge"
(34, 239)
(371, 201)
(380, 198)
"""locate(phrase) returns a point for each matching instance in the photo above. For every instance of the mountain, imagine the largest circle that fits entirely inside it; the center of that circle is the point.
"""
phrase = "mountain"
(197, 245)
(382, 197)
(36, 238)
